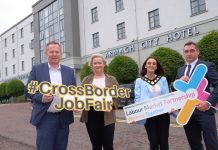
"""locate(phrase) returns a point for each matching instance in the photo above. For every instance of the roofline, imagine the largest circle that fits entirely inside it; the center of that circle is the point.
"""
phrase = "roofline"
(16, 24)
(36, 3)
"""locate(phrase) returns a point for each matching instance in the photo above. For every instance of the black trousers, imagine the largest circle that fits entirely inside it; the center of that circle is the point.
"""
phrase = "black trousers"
(100, 135)
(202, 124)
(158, 131)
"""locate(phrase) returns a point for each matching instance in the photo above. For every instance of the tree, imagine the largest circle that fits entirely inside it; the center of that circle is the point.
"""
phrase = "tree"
(85, 71)
(3, 94)
(170, 60)
(208, 46)
(124, 68)
(15, 88)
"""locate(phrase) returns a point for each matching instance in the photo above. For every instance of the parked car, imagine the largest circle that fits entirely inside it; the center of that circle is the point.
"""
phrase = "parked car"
(127, 101)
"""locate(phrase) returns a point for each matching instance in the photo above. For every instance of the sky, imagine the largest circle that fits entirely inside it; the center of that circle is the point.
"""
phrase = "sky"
(13, 11)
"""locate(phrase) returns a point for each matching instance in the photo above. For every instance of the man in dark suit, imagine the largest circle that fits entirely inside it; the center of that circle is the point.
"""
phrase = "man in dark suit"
(52, 126)
(202, 120)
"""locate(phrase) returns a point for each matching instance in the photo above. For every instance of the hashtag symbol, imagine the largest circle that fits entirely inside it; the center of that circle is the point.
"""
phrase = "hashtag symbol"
(33, 87)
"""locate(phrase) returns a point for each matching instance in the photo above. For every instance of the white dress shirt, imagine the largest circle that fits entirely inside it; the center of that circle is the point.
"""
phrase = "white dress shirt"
(192, 67)
(99, 82)
(56, 78)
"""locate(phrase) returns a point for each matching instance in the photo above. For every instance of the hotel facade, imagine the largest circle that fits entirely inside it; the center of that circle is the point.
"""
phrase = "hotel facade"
(17, 51)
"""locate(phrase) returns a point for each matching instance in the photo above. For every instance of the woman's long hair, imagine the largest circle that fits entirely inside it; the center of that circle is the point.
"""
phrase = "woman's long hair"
(158, 71)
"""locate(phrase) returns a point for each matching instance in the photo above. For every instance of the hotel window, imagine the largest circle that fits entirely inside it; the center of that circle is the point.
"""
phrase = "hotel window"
(6, 57)
(33, 61)
(22, 49)
(121, 32)
(5, 42)
(12, 38)
(13, 53)
(95, 38)
(31, 27)
(22, 66)
(154, 20)
(21, 33)
(31, 44)
(94, 12)
(14, 71)
(6, 71)
(198, 6)
(51, 27)
(119, 5)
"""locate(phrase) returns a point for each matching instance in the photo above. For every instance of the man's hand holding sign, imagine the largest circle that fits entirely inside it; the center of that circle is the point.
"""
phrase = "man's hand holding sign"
(196, 82)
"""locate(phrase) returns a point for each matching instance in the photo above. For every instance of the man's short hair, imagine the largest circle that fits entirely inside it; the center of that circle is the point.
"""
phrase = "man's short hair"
(52, 43)
(191, 43)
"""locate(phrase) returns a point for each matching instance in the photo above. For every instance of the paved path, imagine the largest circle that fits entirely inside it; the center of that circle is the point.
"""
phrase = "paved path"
(17, 134)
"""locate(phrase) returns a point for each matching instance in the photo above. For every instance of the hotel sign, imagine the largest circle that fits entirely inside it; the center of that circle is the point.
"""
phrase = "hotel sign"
(171, 37)
(182, 34)
(149, 43)
(152, 42)
(120, 51)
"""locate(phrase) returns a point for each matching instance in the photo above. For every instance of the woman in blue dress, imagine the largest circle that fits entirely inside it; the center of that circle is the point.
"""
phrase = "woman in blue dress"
(152, 83)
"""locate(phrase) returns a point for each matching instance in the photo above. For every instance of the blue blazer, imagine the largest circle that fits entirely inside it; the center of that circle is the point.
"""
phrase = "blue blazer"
(40, 73)
(142, 91)
(211, 76)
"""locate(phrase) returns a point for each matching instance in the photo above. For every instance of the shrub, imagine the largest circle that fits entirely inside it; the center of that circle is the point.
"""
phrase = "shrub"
(18, 99)
(3, 94)
(15, 88)
(85, 71)
(170, 60)
(124, 68)
(208, 46)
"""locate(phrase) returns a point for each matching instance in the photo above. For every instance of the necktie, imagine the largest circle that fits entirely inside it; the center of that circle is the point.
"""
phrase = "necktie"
(188, 71)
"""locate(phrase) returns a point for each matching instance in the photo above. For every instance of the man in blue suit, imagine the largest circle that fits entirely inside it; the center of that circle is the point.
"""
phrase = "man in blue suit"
(202, 120)
(52, 126)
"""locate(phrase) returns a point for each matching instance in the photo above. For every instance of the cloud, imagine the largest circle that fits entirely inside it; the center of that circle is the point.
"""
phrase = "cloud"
(13, 11)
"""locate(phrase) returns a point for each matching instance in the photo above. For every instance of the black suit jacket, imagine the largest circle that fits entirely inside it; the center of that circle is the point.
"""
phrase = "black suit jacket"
(211, 76)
